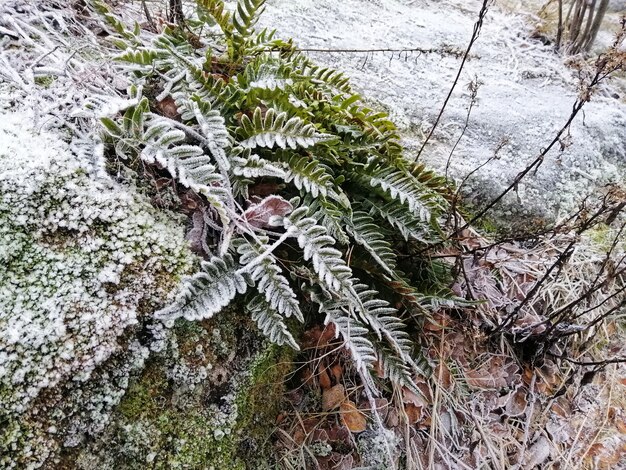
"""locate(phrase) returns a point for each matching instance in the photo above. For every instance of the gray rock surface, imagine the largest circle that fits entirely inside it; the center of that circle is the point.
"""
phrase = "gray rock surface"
(526, 94)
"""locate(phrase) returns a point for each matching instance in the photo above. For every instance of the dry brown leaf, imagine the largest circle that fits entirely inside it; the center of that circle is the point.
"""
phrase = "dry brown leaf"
(408, 396)
(337, 372)
(443, 375)
(517, 402)
(318, 337)
(414, 413)
(352, 417)
(324, 378)
(333, 397)
(259, 215)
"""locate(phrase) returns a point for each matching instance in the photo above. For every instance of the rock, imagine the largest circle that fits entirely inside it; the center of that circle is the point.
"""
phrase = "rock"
(85, 262)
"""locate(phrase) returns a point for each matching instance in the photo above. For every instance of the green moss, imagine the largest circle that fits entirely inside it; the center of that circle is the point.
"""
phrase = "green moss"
(259, 401)
(216, 423)
(45, 81)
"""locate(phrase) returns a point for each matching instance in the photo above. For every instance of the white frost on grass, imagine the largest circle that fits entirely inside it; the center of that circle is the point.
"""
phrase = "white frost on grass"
(526, 95)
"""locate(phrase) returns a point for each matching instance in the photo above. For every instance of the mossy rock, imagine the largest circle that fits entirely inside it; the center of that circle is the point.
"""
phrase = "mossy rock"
(210, 400)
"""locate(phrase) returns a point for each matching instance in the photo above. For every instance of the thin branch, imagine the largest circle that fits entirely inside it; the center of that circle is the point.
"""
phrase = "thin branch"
(476, 33)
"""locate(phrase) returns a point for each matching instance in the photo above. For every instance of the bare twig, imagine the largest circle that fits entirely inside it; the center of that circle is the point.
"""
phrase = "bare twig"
(476, 33)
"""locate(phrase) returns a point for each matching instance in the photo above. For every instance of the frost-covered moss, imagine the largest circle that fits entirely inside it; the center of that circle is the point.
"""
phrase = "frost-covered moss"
(208, 401)
(84, 262)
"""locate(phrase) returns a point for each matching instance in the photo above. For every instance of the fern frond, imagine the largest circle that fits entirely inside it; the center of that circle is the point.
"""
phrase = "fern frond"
(310, 175)
(402, 186)
(328, 215)
(317, 247)
(268, 278)
(271, 323)
(213, 12)
(384, 319)
(367, 234)
(396, 215)
(276, 129)
(333, 80)
(252, 166)
(244, 19)
(353, 332)
(214, 130)
(207, 292)
(187, 163)
(397, 371)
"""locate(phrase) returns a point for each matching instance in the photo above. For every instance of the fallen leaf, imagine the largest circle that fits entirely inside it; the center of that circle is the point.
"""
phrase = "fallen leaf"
(517, 403)
(324, 378)
(333, 397)
(414, 413)
(352, 417)
(259, 215)
(337, 372)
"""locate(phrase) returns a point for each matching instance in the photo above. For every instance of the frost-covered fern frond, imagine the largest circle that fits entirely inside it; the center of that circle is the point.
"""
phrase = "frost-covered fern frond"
(384, 319)
(268, 278)
(317, 247)
(249, 165)
(271, 323)
(277, 129)
(409, 226)
(352, 331)
(403, 187)
(311, 175)
(366, 233)
(208, 291)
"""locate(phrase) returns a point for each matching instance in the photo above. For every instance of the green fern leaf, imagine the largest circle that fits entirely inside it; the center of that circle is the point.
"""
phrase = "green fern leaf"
(367, 234)
(271, 323)
(207, 292)
(317, 247)
(275, 129)
(403, 187)
(268, 278)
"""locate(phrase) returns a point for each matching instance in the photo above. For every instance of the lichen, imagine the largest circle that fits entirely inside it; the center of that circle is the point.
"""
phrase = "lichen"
(209, 400)
(84, 260)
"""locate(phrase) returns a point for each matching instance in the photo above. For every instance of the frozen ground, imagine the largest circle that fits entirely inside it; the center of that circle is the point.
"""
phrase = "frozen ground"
(526, 93)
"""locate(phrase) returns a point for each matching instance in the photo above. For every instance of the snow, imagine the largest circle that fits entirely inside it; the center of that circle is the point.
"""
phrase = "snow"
(526, 94)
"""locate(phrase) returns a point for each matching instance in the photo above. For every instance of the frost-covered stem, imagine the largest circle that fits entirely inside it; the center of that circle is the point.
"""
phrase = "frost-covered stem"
(289, 233)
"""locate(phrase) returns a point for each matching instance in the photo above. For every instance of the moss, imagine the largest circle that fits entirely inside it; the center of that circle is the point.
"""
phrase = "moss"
(259, 402)
(45, 81)
(169, 418)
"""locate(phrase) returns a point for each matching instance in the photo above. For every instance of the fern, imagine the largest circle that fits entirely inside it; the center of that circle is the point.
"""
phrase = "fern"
(276, 129)
(316, 244)
(262, 122)
(269, 280)
(207, 292)
(252, 166)
(245, 18)
(187, 163)
(409, 226)
(212, 12)
(310, 176)
(271, 323)
(367, 234)
(403, 187)
(353, 332)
